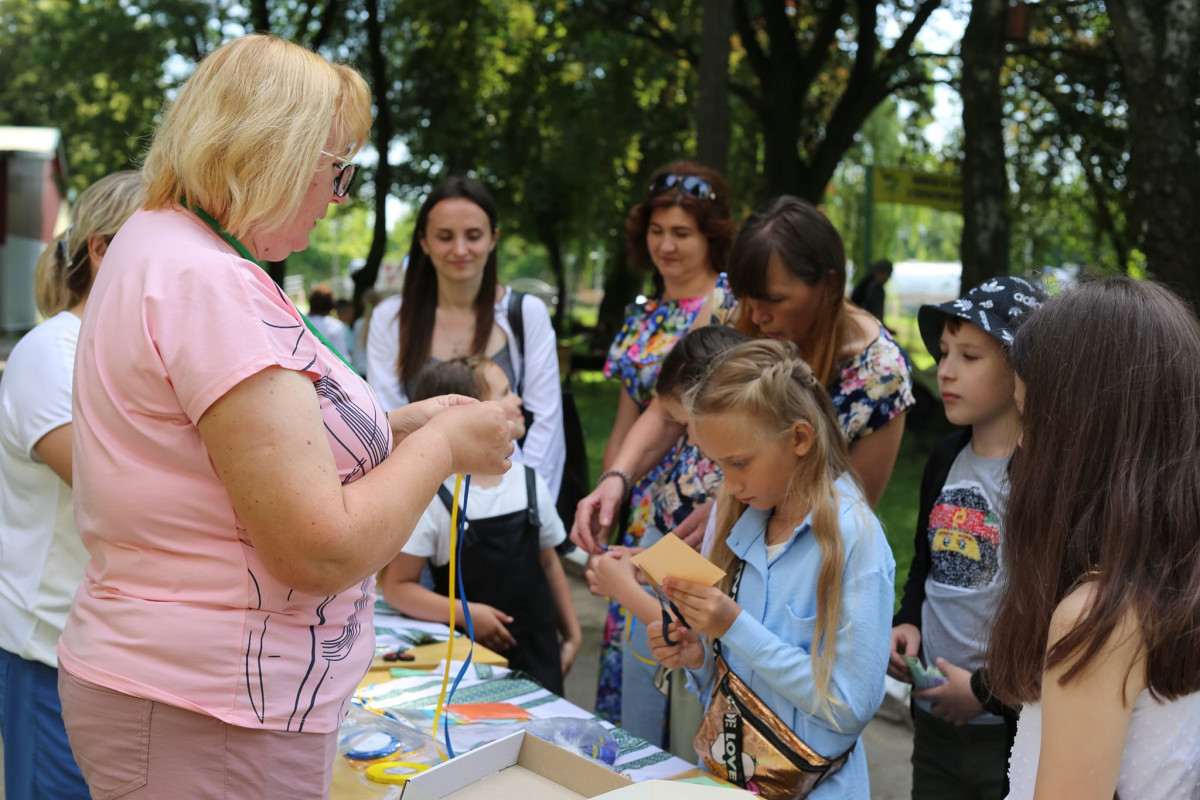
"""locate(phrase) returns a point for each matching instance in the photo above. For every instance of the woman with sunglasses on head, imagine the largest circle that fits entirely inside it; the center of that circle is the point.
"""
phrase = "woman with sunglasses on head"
(43, 557)
(681, 232)
(238, 485)
(453, 305)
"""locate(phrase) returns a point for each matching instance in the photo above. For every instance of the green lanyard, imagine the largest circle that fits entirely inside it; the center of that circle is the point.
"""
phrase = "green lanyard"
(244, 253)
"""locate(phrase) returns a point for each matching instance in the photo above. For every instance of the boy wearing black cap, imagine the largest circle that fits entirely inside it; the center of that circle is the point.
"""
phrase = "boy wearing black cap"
(962, 741)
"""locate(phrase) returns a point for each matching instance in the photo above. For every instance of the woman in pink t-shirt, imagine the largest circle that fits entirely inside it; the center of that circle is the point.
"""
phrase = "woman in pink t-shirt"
(223, 451)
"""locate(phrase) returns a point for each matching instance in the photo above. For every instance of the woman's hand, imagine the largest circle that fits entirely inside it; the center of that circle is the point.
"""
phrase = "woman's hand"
(478, 436)
(906, 641)
(688, 650)
(491, 627)
(953, 701)
(706, 608)
(595, 514)
(408, 418)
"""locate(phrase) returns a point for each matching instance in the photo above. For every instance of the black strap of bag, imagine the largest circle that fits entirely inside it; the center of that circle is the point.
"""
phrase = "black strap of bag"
(575, 480)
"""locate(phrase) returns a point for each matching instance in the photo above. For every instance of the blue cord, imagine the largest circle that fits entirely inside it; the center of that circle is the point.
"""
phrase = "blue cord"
(462, 524)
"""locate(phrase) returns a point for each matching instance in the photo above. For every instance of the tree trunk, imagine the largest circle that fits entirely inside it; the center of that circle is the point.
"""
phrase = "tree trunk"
(712, 107)
(780, 117)
(984, 177)
(553, 244)
(1159, 47)
(365, 278)
(622, 283)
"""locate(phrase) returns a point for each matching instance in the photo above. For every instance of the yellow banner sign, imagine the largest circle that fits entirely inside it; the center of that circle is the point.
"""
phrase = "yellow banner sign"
(918, 188)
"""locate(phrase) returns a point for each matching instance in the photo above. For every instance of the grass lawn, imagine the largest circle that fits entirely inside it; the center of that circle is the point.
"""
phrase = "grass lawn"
(596, 397)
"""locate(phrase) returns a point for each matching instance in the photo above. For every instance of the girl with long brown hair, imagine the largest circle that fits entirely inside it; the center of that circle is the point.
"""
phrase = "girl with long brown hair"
(453, 305)
(1096, 633)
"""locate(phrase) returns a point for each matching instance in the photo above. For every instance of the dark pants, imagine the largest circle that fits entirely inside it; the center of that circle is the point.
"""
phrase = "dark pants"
(958, 763)
(38, 764)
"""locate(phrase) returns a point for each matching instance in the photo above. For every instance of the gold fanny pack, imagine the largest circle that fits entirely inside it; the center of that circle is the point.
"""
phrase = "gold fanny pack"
(746, 743)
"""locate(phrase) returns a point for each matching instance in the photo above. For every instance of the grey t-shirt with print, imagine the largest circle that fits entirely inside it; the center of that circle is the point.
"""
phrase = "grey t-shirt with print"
(963, 587)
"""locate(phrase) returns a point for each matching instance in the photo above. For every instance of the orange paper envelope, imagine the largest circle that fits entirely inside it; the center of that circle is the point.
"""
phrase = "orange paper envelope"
(670, 557)
(479, 712)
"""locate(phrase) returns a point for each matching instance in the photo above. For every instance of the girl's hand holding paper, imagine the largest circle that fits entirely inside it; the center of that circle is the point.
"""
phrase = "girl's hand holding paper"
(706, 608)
(691, 576)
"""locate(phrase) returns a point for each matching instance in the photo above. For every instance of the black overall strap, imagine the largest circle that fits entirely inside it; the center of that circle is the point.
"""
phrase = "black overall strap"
(446, 497)
(531, 504)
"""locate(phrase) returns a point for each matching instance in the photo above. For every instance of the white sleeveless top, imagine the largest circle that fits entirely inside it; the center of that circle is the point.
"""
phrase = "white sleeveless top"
(1161, 760)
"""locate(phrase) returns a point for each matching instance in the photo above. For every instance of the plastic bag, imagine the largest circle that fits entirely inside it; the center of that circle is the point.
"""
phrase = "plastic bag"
(366, 737)
(584, 736)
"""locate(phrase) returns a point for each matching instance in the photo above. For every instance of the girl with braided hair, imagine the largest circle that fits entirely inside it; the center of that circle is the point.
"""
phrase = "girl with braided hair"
(804, 610)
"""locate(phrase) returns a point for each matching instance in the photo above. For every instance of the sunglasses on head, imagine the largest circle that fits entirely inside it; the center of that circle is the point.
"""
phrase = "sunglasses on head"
(345, 177)
(688, 184)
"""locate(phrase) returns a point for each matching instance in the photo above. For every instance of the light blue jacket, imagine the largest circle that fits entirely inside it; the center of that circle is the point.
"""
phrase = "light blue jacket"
(769, 644)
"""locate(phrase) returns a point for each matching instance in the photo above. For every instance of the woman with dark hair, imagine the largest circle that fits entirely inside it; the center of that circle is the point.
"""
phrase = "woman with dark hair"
(681, 232)
(456, 307)
(1096, 633)
(788, 269)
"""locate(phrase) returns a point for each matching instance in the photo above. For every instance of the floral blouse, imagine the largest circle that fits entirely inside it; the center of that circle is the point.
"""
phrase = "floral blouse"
(651, 329)
(872, 388)
(683, 478)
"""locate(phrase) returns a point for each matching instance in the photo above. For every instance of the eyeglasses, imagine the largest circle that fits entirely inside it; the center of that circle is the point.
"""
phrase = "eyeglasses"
(345, 177)
(688, 184)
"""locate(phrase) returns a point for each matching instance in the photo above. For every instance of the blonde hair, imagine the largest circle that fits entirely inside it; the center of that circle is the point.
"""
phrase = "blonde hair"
(64, 269)
(244, 137)
(768, 382)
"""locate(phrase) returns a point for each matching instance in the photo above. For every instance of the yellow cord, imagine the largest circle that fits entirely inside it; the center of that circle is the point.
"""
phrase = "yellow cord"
(450, 643)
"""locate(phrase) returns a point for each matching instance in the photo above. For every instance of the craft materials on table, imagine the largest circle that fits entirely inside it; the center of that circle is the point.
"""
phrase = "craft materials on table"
(412, 698)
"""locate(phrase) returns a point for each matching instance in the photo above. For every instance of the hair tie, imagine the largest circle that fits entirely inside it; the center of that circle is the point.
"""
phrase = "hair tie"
(62, 248)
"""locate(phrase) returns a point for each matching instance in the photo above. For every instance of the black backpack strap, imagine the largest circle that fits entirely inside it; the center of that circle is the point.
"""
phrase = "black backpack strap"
(447, 499)
(516, 321)
(531, 503)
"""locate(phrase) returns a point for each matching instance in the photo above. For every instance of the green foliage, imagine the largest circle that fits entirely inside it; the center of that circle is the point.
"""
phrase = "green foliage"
(1069, 142)
(899, 232)
(92, 69)
(596, 399)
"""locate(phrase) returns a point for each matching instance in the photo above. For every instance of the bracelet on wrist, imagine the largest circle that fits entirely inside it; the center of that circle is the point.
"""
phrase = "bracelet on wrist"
(625, 480)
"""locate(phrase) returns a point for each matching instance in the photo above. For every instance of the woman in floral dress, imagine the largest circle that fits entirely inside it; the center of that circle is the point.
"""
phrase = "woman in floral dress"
(682, 231)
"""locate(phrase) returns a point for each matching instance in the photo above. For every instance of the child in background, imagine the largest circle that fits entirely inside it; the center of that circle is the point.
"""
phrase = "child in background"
(516, 589)
(807, 627)
(960, 750)
(1096, 632)
(612, 575)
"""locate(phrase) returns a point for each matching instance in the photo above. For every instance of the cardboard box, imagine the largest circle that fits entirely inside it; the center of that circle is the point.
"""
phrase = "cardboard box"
(674, 790)
(518, 767)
